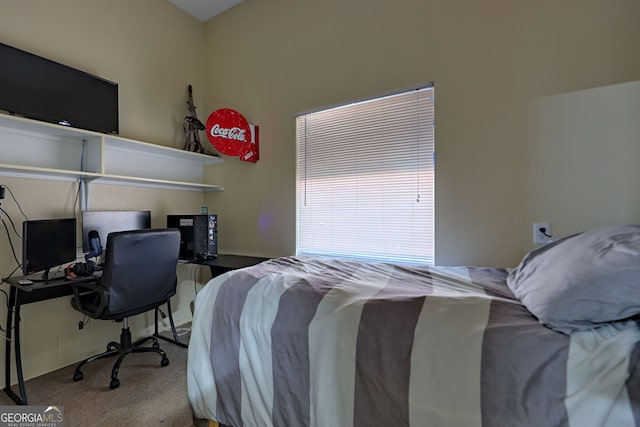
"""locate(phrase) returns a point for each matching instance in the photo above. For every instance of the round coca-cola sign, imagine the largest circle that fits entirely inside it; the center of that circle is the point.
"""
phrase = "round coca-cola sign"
(229, 132)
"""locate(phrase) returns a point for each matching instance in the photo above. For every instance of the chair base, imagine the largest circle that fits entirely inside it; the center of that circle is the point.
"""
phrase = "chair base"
(121, 349)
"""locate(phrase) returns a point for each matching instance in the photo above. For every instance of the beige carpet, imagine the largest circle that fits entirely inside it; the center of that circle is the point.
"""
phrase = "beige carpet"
(149, 395)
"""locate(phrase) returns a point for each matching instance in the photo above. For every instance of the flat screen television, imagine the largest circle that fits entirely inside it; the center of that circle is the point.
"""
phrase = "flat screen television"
(105, 222)
(38, 88)
(46, 244)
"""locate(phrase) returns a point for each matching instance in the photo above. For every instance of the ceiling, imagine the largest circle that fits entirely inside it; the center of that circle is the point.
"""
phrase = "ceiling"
(203, 10)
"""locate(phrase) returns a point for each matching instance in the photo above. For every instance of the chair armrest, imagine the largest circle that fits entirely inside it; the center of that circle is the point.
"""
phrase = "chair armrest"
(80, 289)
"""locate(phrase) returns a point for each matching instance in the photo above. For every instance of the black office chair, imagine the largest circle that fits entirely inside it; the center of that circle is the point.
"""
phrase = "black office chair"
(138, 275)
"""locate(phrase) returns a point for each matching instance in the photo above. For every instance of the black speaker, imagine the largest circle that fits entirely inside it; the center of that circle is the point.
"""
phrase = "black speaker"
(198, 235)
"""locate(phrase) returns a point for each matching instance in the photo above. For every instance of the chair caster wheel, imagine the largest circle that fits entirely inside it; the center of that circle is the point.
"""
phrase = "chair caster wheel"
(115, 383)
(78, 375)
(165, 362)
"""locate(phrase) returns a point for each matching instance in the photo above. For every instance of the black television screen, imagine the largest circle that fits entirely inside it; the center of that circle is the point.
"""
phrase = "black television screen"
(41, 89)
(105, 222)
(47, 243)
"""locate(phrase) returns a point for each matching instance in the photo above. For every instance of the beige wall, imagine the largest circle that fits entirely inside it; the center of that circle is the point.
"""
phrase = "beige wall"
(490, 62)
(154, 51)
(582, 158)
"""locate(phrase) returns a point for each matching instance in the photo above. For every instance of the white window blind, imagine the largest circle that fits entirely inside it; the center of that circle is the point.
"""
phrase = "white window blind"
(365, 179)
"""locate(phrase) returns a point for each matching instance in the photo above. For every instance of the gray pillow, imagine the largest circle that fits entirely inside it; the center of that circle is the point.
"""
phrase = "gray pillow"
(582, 281)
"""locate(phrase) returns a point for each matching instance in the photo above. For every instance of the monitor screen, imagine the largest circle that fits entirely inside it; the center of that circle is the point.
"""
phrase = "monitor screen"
(41, 89)
(46, 244)
(105, 222)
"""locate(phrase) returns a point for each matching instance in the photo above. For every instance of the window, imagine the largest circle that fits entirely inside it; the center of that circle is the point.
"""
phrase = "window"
(365, 179)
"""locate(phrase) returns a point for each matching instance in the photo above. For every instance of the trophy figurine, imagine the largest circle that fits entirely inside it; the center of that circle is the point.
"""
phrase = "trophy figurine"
(192, 126)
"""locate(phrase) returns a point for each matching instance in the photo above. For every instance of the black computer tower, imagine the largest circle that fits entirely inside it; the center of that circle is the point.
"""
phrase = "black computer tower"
(198, 235)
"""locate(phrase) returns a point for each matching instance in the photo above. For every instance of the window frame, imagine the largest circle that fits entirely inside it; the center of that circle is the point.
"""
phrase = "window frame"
(411, 139)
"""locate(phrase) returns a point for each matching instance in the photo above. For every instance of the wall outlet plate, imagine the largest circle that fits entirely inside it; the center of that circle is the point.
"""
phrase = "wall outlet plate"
(542, 233)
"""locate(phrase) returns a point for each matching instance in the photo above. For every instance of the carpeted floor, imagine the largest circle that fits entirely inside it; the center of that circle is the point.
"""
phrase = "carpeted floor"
(149, 395)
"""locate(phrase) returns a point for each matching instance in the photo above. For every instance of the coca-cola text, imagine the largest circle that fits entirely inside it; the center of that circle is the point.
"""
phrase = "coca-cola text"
(235, 133)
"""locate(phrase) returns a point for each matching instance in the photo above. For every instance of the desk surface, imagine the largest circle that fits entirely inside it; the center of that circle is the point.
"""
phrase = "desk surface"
(229, 261)
(223, 262)
(45, 284)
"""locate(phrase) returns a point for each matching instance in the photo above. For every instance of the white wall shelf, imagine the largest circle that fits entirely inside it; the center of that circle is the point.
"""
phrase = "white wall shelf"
(33, 149)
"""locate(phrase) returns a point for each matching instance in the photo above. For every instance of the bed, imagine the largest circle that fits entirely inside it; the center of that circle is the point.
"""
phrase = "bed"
(309, 341)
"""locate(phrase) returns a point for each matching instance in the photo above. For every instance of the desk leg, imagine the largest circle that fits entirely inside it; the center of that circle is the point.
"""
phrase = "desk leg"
(14, 307)
(7, 349)
(176, 339)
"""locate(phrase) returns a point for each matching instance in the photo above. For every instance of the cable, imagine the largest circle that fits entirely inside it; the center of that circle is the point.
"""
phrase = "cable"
(18, 204)
(10, 274)
(10, 312)
(183, 331)
(7, 302)
(543, 230)
(75, 201)
(84, 322)
(13, 225)
(13, 251)
(194, 277)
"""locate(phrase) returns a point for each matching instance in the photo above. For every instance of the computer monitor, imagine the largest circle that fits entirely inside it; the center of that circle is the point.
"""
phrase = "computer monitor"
(105, 222)
(46, 244)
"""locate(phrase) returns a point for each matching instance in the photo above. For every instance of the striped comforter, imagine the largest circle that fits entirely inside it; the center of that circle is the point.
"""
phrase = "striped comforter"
(296, 342)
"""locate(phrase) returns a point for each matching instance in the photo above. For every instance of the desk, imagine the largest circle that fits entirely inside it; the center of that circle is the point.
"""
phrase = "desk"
(219, 265)
(55, 288)
(19, 295)
(41, 291)
(228, 262)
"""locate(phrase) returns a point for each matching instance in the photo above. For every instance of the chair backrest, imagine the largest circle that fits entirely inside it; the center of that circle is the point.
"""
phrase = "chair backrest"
(139, 270)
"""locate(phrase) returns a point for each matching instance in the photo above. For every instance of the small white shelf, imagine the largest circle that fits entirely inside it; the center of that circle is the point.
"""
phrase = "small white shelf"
(33, 149)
